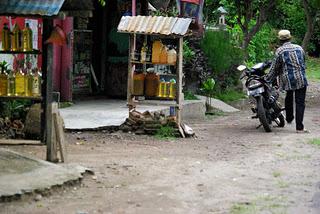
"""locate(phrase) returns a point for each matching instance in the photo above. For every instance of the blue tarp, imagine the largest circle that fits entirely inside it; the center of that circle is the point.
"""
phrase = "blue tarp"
(30, 7)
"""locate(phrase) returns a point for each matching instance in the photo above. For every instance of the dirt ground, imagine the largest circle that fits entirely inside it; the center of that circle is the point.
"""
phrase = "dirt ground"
(231, 167)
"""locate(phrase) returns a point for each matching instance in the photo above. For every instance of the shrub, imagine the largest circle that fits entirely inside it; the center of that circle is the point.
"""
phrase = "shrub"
(260, 47)
(188, 53)
(223, 57)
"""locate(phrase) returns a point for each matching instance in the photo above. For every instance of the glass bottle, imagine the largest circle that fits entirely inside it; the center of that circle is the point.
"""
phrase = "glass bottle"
(36, 83)
(144, 51)
(15, 38)
(28, 83)
(172, 89)
(27, 38)
(5, 37)
(3, 83)
(11, 83)
(20, 83)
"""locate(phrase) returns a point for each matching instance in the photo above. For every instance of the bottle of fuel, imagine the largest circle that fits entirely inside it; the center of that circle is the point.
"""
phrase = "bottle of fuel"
(27, 38)
(11, 83)
(36, 83)
(5, 37)
(16, 38)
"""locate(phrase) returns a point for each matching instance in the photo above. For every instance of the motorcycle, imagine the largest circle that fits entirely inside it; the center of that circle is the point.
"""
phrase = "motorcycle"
(267, 108)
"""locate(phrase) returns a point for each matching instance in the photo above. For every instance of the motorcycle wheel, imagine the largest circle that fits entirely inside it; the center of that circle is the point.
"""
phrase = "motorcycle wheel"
(262, 115)
(280, 120)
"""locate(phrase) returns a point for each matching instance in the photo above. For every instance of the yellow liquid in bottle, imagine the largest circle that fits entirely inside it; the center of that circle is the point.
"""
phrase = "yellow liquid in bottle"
(172, 90)
(28, 84)
(3, 84)
(11, 84)
(36, 84)
(20, 84)
(15, 38)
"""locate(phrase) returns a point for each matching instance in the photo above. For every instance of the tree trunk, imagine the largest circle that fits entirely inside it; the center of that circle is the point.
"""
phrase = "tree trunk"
(310, 25)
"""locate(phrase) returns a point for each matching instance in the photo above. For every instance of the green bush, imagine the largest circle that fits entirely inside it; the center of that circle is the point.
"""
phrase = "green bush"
(188, 95)
(260, 48)
(188, 53)
(230, 95)
(165, 132)
(223, 57)
(16, 109)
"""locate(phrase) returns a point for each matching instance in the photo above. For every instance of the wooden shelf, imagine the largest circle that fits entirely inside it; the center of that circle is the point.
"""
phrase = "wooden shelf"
(20, 52)
(19, 98)
(151, 63)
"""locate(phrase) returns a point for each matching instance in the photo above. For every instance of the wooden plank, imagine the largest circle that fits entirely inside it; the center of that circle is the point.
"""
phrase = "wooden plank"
(59, 132)
(20, 142)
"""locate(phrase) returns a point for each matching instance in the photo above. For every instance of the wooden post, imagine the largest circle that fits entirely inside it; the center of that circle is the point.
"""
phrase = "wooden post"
(130, 72)
(179, 83)
(47, 70)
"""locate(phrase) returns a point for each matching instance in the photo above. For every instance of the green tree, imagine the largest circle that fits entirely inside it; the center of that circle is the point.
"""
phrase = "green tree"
(250, 15)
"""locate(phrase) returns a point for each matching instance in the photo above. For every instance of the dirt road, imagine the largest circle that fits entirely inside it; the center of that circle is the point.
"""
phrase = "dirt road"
(231, 167)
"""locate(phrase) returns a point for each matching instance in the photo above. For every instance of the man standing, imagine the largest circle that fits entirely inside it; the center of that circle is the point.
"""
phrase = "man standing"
(289, 65)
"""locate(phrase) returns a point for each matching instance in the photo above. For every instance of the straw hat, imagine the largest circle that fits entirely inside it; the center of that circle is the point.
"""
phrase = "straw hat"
(284, 35)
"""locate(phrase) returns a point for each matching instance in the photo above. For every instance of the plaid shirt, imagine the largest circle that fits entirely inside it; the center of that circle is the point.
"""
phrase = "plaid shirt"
(289, 64)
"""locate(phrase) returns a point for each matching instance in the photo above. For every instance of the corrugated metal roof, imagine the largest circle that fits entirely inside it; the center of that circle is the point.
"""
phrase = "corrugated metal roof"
(154, 25)
(30, 7)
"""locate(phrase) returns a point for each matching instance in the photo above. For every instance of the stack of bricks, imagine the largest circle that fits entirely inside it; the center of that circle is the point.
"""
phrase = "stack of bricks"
(148, 123)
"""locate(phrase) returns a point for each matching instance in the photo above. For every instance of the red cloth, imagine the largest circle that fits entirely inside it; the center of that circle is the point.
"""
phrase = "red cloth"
(192, 1)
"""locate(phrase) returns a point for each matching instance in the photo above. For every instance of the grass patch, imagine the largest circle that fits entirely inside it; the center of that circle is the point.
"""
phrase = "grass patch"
(276, 174)
(65, 104)
(264, 204)
(188, 95)
(315, 141)
(244, 208)
(166, 132)
(212, 114)
(282, 184)
(313, 69)
(230, 95)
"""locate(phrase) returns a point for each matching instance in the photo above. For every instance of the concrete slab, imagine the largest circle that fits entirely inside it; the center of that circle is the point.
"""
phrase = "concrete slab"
(20, 174)
(218, 104)
(93, 114)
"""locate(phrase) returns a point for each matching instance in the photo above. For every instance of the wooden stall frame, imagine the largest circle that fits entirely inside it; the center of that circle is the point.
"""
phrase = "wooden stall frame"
(179, 73)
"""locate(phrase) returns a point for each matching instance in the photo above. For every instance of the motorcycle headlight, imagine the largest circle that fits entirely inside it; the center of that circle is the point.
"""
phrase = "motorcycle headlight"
(253, 84)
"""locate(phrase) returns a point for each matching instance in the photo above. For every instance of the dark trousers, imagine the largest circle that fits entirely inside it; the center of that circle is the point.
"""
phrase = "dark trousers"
(300, 96)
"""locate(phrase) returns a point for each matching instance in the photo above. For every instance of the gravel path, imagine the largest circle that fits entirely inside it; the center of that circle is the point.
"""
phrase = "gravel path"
(231, 167)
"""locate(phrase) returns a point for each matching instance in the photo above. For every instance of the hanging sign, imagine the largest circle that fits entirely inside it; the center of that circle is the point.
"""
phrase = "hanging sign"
(192, 9)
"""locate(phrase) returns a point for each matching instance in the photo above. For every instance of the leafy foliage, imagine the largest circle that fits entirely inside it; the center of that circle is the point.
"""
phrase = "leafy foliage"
(171, 11)
(188, 53)
(223, 56)
(16, 109)
(165, 132)
(230, 95)
(102, 2)
(261, 46)
(4, 66)
(208, 87)
(188, 95)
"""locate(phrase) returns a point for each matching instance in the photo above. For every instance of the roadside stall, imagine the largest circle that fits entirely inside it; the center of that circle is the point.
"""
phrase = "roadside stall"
(29, 75)
(155, 60)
